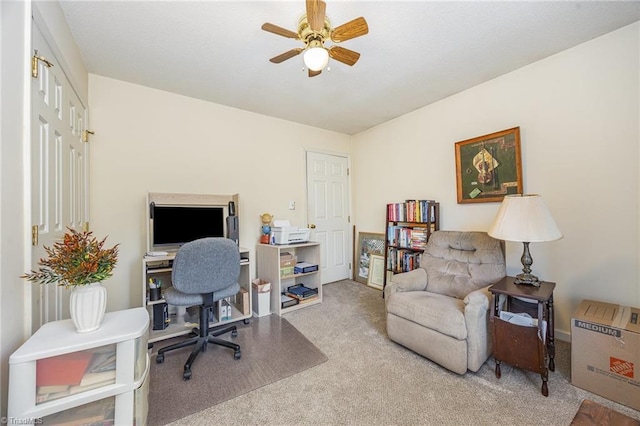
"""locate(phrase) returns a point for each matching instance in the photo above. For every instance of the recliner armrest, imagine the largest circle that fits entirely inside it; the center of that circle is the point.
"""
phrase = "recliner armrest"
(480, 297)
(476, 316)
(415, 280)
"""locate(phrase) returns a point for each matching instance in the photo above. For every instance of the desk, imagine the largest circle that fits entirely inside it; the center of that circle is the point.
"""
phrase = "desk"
(521, 346)
(160, 268)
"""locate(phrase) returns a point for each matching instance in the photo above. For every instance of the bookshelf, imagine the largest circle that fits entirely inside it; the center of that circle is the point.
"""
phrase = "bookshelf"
(409, 225)
(60, 376)
(275, 266)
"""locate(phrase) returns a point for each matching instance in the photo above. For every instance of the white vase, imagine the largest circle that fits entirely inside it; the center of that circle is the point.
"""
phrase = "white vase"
(87, 305)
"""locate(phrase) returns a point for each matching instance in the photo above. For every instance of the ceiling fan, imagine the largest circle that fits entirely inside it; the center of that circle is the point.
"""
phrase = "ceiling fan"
(314, 29)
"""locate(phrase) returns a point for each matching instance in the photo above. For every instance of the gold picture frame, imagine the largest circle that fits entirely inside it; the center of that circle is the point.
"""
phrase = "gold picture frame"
(489, 167)
(376, 272)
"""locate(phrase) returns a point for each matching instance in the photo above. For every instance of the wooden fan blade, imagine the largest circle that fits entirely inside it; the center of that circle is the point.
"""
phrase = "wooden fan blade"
(279, 31)
(286, 55)
(314, 73)
(352, 29)
(316, 10)
(343, 55)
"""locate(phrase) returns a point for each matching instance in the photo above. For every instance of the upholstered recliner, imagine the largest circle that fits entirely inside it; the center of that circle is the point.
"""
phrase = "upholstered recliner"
(441, 309)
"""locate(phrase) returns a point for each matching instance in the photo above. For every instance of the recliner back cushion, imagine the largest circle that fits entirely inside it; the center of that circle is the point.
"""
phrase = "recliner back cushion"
(458, 263)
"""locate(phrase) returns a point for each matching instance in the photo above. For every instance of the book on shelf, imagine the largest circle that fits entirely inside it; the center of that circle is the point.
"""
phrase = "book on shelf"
(89, 381)
(103, 361)
(101, 377)
(101, 412)
(66, 369)
(43, 390)
(412, 211)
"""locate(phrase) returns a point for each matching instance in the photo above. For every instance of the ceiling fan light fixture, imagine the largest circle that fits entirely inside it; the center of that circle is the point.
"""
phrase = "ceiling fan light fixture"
(316, 58)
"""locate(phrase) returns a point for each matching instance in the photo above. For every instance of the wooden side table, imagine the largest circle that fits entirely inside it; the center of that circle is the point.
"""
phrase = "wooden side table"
(525, 347)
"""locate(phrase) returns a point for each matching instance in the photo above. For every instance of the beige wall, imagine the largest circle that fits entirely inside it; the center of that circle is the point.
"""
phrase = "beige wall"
(578, 116)
(153, 141)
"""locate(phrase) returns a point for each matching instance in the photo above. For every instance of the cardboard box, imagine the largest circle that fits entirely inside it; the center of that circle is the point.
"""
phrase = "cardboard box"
(287, 263)
(287, 259)
(605, 351)
(285, 272)
(242, 301)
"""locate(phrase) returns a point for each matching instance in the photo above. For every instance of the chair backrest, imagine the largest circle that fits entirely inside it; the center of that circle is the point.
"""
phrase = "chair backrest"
(458, 263)
(206, 265)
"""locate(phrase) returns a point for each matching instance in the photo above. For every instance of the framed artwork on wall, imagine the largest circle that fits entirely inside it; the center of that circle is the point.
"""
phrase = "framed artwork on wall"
(368, 244)
(489, 167)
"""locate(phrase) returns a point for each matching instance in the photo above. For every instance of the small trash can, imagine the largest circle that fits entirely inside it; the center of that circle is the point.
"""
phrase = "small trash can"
(261, 297)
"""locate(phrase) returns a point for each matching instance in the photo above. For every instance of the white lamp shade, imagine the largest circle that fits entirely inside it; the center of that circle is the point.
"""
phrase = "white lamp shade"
(524, 218)
(316, 58)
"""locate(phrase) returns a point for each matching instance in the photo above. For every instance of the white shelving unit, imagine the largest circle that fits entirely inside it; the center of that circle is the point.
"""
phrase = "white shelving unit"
(160, 268)
(121, 400)
(268, 257)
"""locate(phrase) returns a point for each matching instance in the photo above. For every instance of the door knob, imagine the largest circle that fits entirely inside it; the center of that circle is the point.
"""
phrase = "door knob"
(312, 226)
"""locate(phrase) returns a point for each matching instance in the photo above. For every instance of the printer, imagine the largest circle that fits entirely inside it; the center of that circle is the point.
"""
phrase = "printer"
(283, 233)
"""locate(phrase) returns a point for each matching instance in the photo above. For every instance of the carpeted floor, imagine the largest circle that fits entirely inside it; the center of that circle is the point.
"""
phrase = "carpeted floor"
(369, 380)
(272, 349)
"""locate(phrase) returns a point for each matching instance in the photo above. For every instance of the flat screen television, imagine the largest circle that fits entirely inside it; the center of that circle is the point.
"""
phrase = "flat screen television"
(173, 226)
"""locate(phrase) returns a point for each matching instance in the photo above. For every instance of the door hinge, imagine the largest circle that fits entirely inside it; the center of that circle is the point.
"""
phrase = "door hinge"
(349, 219)
(34, 63)
(347, 171)
(34, 235)
(85, 135)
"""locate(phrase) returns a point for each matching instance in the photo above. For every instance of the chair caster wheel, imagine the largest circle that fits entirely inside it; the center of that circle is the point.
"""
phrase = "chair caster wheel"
(246, 321)
(237, 355)
(159, 358)
(234, 333)
(187, 375)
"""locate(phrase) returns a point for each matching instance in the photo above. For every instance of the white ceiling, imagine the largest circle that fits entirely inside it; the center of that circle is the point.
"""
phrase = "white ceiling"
(416, 52)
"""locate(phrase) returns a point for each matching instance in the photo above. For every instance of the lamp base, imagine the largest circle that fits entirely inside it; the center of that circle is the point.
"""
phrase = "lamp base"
(527, 279)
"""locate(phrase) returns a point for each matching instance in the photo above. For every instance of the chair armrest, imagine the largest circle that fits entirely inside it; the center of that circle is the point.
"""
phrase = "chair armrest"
(479, 336)
(480, 297)
(415, 280)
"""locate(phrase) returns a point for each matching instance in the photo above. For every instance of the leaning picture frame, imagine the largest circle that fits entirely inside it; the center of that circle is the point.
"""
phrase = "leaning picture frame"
(376, 272)
(369, 243)
(489, 167)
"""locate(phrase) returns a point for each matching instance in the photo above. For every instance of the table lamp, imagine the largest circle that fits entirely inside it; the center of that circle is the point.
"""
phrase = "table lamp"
(524, 218)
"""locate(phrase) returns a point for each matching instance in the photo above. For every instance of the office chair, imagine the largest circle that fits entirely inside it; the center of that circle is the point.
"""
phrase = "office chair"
(204, 272)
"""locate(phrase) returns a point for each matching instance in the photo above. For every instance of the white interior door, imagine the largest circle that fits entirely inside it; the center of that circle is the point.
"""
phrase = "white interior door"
(59, 171)
(328, 213)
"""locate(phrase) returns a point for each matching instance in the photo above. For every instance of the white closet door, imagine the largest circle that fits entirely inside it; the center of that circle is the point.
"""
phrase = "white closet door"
(59, 170)
(328, 211)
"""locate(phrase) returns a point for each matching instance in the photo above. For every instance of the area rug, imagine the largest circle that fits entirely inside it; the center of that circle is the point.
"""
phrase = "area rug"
(592, 413)
(272, 349)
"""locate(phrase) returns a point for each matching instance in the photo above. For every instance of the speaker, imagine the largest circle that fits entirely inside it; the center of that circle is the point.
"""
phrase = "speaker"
(233, 229)
(160, 316)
